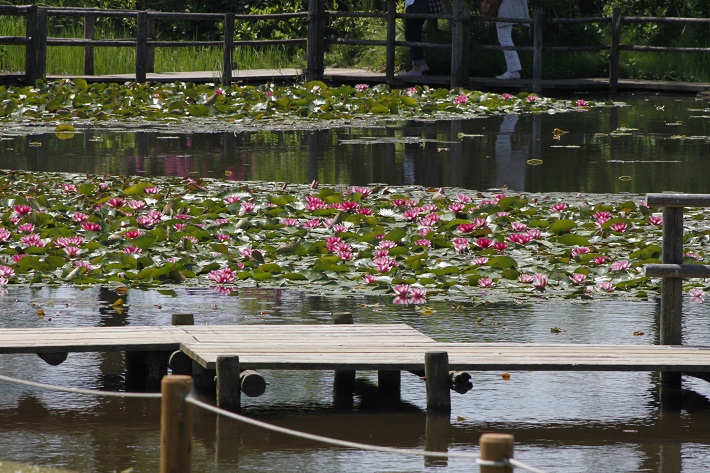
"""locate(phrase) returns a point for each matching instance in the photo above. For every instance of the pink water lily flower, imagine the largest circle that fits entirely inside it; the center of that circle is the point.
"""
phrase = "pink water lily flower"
(456, 207)
(696, 296)
(221, 276)
(618, 227)
(605, 286)
(71, 251)
(481, 260)
(132, 250)
(26, 228)
(622, 265)
(539, 281)
(485, 282)
(461, 99)
(526, 278)
(369, 278)
(579, 250)
(5, 234)
(22, 210)
(578, 278)
(518, 226)
(401, 290)
(500, 246)
(559, 207)
(461, 244)
(483, 242)
(6, 271)
(581, 103)
(655, 220)
(361, 87)
(133, 234)
(32, 240)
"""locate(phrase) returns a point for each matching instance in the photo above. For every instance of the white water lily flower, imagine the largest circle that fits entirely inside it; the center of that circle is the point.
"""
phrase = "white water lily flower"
(387, 213)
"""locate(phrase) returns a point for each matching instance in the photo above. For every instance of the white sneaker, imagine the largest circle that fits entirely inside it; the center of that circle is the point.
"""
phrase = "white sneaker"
(415, 71)
(509, 76)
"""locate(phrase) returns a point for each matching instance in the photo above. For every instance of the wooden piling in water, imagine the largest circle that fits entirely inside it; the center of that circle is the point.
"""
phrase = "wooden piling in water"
(495, 448)
(343, 380)
(176, 425)
(436, 370)
(229, 393)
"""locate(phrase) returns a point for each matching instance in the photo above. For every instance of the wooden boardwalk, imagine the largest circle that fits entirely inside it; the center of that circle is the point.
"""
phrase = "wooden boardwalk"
(358, 347)
(354, 76)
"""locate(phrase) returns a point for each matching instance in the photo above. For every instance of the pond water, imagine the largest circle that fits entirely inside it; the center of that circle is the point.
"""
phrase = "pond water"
(563, 422)
(652, 145)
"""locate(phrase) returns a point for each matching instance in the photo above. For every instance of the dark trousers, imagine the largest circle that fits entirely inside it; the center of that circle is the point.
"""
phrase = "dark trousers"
(413, 28)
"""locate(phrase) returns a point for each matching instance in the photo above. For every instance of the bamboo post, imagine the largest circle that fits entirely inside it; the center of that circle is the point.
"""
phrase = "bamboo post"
(436, 370)
(315, 48)
(614, 50)
(141, 46)
(89, 33)
(538, 17)
(495, 448)
(176, 425)
(671, 316)
(228, 49)
(459, 43)
(391, 38)
(229, 393)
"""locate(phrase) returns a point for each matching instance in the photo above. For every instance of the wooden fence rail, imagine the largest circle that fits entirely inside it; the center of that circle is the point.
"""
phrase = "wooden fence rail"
(37, 39)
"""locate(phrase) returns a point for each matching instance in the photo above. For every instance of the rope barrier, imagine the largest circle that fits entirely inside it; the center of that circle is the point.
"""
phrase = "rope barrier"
(274, 428)
(88, 392)
(328, 440)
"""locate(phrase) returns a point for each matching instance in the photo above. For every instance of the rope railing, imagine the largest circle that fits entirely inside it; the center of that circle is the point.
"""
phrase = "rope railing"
(86, 392)
(176, 428)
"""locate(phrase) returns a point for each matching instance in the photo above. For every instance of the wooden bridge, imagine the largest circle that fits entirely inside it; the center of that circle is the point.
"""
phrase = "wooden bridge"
(226, 350)
(37, 40)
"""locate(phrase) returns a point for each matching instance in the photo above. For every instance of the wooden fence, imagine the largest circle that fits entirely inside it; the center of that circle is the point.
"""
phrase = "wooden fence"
(673, 271)
(37, 39)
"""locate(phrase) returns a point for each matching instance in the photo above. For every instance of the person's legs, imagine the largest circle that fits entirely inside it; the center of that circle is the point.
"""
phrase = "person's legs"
(413, 31)
(512, 61)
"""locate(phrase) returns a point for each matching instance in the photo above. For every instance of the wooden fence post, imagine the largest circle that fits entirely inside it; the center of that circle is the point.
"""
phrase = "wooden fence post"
(391, 38)
(141, 46)
(496, 448)
(36, 50)
(538, 20)
(460, 33)
(175, 425)
(436, 371)
(671, 317)
(315, 48)
(228, 49)
(614, 50)
(89, 33)
(150, 50)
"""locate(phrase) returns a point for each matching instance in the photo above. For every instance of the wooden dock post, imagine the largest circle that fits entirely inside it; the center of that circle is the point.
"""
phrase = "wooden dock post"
(343, 380)
(141, 46)
(495, 448)
(671, 317)
(228, 49)
(176, 425)
(89, 30)
(460, 34)
(229, 393)
(179, 362)
(436, 370)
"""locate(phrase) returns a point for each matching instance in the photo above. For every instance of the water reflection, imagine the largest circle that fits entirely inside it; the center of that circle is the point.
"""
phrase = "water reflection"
(655, 144)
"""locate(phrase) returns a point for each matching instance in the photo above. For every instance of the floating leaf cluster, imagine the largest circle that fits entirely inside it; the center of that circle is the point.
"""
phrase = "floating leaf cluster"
(77, 100)
(410, 242)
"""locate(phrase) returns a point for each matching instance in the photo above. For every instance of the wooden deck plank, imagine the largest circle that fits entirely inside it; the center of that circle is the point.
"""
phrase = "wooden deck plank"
(359, 347)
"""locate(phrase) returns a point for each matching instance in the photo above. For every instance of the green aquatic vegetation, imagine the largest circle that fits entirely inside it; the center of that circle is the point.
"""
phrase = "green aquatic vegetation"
(79, 101)
(410, 242)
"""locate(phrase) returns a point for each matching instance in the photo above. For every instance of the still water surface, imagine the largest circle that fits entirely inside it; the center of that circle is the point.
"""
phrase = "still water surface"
(652, 145)
(563, 422)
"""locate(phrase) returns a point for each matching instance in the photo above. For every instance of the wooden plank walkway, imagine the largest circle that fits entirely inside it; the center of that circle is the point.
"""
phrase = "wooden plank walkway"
(354, 347)
(353, 76)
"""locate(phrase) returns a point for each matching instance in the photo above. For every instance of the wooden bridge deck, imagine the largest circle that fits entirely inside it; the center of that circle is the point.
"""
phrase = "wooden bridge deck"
(355, 347)
(353, 76)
